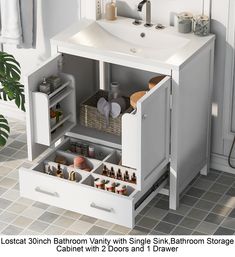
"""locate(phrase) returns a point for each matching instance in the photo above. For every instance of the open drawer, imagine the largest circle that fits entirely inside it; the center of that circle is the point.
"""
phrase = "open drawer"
(82, 195)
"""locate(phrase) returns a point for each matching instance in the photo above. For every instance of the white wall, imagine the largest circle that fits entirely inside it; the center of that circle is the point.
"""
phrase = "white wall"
(161, 9)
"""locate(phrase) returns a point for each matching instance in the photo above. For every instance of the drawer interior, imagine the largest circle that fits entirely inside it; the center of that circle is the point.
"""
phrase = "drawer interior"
(104, 157)
(90, 181)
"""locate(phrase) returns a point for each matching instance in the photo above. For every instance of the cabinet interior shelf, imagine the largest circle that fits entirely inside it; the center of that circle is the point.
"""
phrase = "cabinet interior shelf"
(60, 96)
(67, 117)
(64, 85)
(60, 131)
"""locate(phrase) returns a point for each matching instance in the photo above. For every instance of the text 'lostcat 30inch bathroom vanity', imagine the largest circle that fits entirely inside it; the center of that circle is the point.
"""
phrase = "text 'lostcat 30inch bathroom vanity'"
(164, 141)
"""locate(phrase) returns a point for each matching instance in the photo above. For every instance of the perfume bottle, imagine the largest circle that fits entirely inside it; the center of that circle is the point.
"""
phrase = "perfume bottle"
(112, 173)
(126, 176)
(105, 171)
(119, 175)
(133, 178)
(59, 172)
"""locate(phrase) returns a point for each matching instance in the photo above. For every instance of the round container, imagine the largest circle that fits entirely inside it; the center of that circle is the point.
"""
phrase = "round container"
(121, 190)
(110, 187)
(91, 151)
(201, 25)
(154, 81)
(79, 162)
(99, 183)
(185, 22)
(114, 92)
(45, 87)
(136, 97)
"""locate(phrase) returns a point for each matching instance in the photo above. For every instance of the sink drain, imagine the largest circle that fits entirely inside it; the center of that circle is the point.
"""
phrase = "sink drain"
(133, 50)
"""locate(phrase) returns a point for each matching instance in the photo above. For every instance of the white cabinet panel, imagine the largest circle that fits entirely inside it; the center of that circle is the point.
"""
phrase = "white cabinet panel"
(145, 134)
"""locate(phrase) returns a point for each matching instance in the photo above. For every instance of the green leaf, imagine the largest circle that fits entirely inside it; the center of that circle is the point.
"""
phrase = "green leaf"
(9, 67)
(4, 130)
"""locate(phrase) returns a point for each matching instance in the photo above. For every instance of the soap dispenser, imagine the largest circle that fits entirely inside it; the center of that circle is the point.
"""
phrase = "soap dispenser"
(111, 11)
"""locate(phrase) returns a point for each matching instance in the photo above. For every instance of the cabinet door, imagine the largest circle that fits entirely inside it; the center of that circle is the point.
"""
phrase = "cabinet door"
(40, 131)
(146, 134)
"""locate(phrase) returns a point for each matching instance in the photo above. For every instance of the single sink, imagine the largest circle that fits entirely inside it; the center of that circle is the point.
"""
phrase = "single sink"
(122, 37)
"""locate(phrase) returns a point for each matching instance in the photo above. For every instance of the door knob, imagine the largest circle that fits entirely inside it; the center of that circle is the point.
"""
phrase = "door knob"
(144, 116)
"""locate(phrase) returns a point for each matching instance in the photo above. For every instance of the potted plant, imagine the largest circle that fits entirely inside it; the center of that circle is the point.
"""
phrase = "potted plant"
(10, 90)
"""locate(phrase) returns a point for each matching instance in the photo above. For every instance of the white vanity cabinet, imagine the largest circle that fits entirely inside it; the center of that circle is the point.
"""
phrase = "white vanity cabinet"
(165, 141)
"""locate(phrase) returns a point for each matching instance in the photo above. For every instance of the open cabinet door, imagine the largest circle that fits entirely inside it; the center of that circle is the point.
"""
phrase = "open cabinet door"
(41, 134)
(146, 134)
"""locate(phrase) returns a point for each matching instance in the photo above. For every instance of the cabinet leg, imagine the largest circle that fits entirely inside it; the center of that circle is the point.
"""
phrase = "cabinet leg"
(204, 171)
(173, 195)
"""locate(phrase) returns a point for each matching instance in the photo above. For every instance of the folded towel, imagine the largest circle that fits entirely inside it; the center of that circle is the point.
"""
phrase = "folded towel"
(27, 22)
(17, 22)
(11, 30)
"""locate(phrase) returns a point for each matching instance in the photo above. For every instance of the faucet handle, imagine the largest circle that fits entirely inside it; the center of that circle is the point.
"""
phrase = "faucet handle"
(136, 22)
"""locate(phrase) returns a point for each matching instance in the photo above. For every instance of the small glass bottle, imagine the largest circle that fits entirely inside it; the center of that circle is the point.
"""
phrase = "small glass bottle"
(126, 176)
(119, 175)
(105, 171)
(133, 178)
(112, 173)
(91, 151)
(111, 11)
(114, 91)
(59, 172)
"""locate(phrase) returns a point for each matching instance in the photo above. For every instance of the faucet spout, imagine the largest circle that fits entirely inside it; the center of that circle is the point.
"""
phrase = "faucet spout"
(148, 11)
(141, 4)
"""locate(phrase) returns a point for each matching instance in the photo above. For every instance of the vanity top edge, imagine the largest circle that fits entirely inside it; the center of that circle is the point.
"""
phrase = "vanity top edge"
(173, 61)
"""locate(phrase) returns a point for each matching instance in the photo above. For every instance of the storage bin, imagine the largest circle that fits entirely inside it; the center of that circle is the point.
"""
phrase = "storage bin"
(92, 118)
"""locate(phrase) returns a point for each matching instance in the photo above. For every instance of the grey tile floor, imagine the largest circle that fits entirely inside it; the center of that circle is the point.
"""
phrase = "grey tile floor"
(207, 207)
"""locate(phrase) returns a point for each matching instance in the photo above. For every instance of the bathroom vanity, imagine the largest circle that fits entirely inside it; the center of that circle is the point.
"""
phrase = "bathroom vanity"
(165, 141)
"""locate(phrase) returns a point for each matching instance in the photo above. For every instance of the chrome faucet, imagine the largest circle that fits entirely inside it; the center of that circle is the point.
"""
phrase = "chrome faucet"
(148, 11)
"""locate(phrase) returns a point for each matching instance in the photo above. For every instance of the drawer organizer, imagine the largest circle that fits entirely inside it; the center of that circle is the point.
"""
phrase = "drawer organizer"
(100, 203)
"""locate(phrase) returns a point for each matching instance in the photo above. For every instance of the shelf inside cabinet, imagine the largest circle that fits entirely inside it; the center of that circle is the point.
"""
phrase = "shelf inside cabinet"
(67, 117)
(60, 96)
(95, 136)
(64, 85)
(61, 131)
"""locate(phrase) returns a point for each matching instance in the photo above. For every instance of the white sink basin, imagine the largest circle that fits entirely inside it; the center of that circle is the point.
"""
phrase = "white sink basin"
(120, 40)
(123, 37)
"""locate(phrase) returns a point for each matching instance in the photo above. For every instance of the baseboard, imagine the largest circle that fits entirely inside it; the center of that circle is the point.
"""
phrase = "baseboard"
(10, 110)
(220, 162)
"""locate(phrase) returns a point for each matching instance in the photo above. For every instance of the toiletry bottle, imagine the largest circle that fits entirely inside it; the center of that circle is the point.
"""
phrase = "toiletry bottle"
(112, 173)
(119, 175)
(111, 11)
(126, 176)
(45, 87)
(105, 171)
(59, 172)
(133, 178)
(58, 112)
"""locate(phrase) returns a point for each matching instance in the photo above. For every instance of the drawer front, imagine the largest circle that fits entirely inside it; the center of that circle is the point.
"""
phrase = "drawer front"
(76, 197)
(48, 189)
(107, 206)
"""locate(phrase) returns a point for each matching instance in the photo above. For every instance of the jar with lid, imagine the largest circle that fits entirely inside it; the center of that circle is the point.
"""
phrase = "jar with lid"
(114, 91)
(185, 21)
(45, 87)
(201, 25)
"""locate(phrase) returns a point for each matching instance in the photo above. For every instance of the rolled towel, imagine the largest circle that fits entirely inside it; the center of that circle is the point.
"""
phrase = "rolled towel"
(11, 30)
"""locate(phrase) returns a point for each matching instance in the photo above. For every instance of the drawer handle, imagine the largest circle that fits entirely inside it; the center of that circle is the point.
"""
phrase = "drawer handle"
(93, 205)
(39, 190)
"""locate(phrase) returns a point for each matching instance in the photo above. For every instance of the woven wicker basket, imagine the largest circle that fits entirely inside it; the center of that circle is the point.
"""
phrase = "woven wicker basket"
(90, 116)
